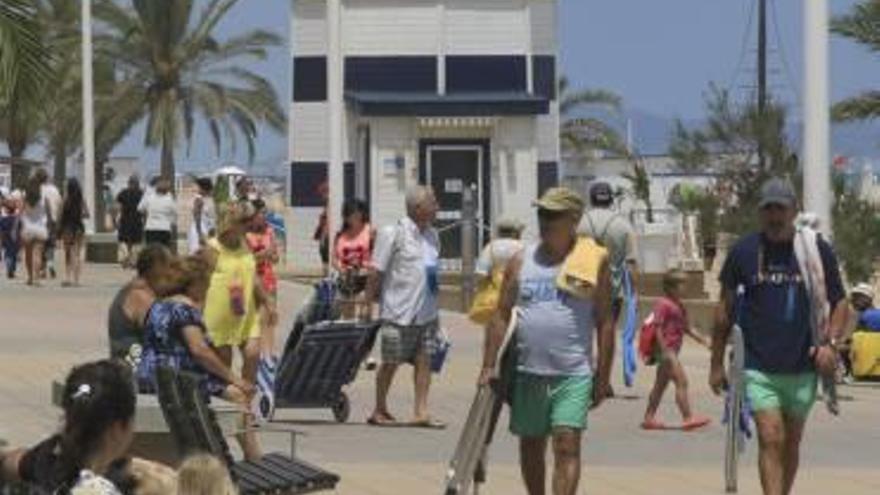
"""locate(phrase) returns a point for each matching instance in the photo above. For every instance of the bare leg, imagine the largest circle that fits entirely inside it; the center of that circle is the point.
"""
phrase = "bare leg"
(422, 380)
(29, 261)
(68, 261)
(38, 258)
(384, 378)
(681, 388)
(771, 444)
(78, 260)
(794, 432)
(532, 452)
(660, 384)
(567, 461)
(248, 441)
(250, 353)
(225, 355)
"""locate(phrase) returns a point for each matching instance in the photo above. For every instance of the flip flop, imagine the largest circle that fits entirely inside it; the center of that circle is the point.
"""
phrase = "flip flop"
(385, 422)
(430, 423)
(695, 423)
(652, 425)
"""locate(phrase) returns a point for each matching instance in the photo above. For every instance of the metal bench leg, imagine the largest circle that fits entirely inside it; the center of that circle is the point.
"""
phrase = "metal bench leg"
(293, 445)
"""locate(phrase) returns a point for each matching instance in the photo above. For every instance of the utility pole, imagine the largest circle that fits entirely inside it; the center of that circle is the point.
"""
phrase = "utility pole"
(762, 78)
(336, 109)
(88, 116)
(817, 162)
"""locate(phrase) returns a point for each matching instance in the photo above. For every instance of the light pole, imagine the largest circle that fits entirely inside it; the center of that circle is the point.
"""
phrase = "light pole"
(817, 163)
(335, 110)
(88, 116)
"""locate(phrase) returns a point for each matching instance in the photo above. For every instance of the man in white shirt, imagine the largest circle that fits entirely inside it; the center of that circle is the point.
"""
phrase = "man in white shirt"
(406, 259)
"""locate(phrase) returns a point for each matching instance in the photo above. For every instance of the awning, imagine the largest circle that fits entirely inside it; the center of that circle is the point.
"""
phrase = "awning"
(386, 104)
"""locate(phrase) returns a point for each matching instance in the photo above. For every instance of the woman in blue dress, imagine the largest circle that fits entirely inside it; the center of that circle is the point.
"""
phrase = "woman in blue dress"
(175, 336)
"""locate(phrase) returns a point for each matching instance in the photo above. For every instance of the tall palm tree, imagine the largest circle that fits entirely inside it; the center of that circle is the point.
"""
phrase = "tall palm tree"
(24, 72)
(861, 25)
(62, 101)
(174, 69)
(581, 134)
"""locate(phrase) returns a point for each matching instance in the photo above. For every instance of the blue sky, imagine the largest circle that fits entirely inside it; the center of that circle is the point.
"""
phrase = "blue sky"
(660, 56)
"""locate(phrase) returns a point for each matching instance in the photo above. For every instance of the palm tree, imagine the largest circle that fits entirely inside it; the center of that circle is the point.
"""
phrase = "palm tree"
(582, 135)
(62, 102)
(24, 72)
(862, 25)
(174, 69)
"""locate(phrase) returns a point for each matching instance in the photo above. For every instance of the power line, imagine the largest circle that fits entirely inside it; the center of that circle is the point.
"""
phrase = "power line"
(744, 48)
(782, 53)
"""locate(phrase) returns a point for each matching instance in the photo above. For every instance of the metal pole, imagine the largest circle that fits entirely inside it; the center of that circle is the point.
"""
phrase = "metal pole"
(88, 116)
(335, 117)
(817, 168)
(468, 244)
(762, 78)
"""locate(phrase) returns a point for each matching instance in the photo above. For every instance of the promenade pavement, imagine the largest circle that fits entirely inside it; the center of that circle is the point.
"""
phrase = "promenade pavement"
(44, 331)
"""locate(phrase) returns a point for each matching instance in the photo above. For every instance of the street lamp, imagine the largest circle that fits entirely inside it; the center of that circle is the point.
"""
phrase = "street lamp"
(817, 162)
(88, 116)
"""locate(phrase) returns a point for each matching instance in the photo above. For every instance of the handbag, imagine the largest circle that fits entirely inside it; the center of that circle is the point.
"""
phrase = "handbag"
(441, 352)
(488, 295)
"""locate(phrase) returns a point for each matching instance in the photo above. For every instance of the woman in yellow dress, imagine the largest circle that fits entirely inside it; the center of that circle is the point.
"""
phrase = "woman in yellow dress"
(234, 300)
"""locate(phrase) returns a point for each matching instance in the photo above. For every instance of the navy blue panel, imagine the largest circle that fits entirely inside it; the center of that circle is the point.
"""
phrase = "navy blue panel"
(309, 79)
(404, 74)
(544, 76)
(305, 181)
(349, 180)
(471, 104)
(548, 176)
(485, 73)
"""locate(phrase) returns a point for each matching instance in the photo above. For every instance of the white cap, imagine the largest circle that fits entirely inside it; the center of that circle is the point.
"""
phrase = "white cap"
(863, 289)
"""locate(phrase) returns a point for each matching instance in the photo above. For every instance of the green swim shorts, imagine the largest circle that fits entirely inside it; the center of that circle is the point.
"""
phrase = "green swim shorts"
(542, 403)
(792, 394)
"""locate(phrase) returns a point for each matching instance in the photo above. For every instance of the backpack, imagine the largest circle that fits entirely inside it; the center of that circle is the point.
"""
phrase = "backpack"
(648, 340)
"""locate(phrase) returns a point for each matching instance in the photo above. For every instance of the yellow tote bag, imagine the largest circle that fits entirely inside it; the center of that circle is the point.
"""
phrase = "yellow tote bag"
(487, 296)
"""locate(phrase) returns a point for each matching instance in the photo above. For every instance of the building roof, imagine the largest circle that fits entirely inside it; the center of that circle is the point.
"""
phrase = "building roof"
(386, 104)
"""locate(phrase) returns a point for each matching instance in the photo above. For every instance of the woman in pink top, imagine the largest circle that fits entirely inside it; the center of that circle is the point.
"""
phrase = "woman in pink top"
(261, 242)
(353, 248)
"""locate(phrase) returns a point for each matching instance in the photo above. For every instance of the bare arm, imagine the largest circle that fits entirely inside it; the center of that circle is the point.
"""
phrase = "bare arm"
(10, 461)
(840, 315)
(720, 335)
(497, 327)
(198, 206)
(604, 334)
(205, 355)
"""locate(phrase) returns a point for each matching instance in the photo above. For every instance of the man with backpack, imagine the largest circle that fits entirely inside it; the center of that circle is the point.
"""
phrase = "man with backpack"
(613, 231)
(792, 315)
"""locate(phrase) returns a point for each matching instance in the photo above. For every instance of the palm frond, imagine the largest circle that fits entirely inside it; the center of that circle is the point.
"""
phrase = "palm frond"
(866, 106)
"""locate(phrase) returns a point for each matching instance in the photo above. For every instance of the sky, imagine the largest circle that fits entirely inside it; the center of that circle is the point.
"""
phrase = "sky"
(660, 56)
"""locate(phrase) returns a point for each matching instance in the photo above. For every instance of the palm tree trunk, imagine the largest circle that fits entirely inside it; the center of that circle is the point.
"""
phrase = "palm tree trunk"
(18, 167)
(100, 207)
(166, 169)
(59, 171)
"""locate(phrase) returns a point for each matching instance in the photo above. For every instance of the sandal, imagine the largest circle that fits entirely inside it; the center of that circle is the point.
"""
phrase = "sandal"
(428, 423)
(652, 425)
(383, 420)
(695, 423)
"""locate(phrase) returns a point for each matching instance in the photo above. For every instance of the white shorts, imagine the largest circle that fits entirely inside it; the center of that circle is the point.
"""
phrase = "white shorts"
(34, 233)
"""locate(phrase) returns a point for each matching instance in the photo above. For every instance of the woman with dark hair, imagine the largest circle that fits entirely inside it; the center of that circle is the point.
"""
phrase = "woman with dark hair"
(130, 222)
(89, 454)
(353, 247)
(35, 220)
(204, 216)
(72, 230)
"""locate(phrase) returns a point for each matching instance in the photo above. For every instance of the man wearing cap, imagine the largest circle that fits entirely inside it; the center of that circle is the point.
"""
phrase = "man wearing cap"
(781, 358)
(615, 232)
(556, 381)
(502, 249)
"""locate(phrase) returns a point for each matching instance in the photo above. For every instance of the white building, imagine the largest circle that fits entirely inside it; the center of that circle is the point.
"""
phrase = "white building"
(450, 93)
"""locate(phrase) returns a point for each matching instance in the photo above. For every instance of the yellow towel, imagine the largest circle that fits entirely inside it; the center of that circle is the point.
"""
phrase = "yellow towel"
(579, 274)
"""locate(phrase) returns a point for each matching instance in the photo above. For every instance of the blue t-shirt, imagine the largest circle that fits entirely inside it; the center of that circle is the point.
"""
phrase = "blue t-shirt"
(869, 320)
(775, 316)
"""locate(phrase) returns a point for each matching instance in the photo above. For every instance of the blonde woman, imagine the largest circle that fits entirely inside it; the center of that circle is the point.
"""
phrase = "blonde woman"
(204, 475)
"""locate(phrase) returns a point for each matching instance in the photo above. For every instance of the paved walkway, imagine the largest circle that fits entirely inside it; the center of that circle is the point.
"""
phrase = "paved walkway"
(44, 331)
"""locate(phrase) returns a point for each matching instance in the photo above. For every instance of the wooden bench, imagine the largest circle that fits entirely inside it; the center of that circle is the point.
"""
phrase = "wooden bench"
(196, 430)
(153, 439)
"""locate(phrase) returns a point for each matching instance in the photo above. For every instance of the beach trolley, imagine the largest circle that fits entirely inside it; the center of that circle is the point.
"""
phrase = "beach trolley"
(322, 355)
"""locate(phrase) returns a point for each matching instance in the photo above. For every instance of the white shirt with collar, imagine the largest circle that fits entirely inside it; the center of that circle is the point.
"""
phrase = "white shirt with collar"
(408, 260)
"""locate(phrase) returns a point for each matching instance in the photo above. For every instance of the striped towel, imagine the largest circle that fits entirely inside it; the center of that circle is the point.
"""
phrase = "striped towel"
(263, 403)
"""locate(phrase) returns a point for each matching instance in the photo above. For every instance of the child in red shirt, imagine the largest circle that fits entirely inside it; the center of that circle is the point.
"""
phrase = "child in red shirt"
(671, 323)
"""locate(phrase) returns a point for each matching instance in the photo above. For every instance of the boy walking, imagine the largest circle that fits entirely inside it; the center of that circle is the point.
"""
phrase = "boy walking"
(671, 323)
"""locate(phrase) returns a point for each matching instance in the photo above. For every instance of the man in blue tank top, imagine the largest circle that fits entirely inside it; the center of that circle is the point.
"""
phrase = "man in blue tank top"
(556, 382)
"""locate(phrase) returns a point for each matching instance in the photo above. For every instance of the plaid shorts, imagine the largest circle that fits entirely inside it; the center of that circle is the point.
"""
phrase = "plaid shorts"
(401, 344)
